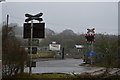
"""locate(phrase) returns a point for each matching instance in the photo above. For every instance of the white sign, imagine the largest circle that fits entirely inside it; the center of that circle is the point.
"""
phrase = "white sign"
(54, 47)
(79, 46)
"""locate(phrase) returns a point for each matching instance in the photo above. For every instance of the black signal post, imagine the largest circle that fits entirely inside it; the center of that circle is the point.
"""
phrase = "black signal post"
(29, 28)
(90, 39)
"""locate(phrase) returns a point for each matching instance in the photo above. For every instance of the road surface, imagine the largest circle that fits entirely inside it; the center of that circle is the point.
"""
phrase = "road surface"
(60, 66)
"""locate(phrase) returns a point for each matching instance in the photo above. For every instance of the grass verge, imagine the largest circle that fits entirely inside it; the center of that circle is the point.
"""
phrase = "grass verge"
(60, 76)
(42, 55)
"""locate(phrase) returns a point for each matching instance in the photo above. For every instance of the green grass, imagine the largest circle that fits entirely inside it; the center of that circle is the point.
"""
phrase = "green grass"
(59, 76)
(54, 75)
(105, 64)
(43, 55)
(48, 76)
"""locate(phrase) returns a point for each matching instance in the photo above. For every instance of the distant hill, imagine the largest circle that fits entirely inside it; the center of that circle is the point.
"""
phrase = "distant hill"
(49, 32)
(68, 32)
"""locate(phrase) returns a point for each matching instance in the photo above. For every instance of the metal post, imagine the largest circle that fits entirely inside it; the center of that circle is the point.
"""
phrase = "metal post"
(86, 56)
(31, 18)
(92, 49)
(6, 41)
(7, 20)
(62, 53)
(30, 68)
(88, 50)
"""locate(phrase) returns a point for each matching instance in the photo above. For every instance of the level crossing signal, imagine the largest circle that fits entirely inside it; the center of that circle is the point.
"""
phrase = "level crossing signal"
(33, 17)
(33, 30)
(90, 36)
(38, 30)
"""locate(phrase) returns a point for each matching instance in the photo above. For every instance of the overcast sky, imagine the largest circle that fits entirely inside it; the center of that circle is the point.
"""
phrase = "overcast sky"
(58, 16)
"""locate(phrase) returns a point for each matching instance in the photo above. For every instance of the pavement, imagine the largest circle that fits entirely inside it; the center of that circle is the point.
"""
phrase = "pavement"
(61, 66)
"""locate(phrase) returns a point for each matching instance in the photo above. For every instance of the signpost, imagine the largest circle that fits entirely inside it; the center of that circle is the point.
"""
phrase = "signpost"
(90, 54)
(54, 47)
(33, 30)
(79, 47)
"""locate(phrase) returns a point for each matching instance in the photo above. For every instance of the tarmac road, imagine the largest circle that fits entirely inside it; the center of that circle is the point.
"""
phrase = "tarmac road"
(59, 66)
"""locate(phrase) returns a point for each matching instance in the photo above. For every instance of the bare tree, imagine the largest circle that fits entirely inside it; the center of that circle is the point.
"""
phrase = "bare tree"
(13, 55)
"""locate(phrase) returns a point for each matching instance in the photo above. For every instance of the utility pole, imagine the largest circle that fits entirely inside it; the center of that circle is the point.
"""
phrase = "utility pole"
(63, 53)
(7, 25)
(7, 19)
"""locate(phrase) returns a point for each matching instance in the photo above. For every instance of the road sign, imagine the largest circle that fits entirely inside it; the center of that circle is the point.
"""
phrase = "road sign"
(54, 47)
(33, 17)
(37, 15)
(34, 50)
(90, 57)
(91, 31)
(79, 46)
(90, 54)
(38, 30)
(90, 38)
